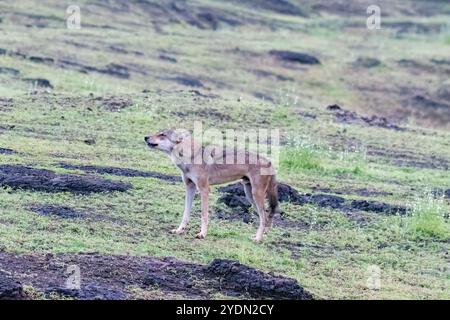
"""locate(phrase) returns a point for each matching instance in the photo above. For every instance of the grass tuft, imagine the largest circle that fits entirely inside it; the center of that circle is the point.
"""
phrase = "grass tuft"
(299, 158)
(428, 217)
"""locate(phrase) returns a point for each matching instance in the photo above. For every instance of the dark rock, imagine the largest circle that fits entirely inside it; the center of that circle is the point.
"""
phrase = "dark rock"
(297, 57)
(2, 51)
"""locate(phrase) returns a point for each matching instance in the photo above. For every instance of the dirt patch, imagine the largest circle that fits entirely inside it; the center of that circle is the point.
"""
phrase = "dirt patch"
(418, 67)
(31, 20)
(441, 62)
(428, 107)
(5, 105)
(188, 81)
(39, 82)
(366, 62)
(406, 158)
(57, 211)
(124, 172)
(108, 277)
(21, 177)
(350, 117)
(166, 57)
(181, 11)
(428, 103)
(403, 27)
(120, 49)
(112, 69)
(9, 71)
(363, 192)
(115, 70)
(273, 75)
(444, 92)
(234, 197)
(197, 93)
(239, 279)
(114, 103)
(208, 113)
(10, 289)
(263, 96)
(280, 6)
(300, 249)
(294, 57)
(7, 151)
(45, 60)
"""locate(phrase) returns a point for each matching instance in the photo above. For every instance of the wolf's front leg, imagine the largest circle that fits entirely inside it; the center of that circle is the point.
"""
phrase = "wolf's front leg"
(204, 193)
(190, 193)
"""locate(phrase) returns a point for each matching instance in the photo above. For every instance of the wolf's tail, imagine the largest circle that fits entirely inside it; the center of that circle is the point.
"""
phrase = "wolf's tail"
(272, 196)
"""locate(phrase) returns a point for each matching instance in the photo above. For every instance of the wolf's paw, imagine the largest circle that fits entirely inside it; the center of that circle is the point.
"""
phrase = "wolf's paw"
(177, 231)
(200, 235)
(256, 238)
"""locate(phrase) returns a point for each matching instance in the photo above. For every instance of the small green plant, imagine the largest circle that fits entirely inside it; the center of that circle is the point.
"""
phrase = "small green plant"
(301, 153)
(300, 158)
(428, 218)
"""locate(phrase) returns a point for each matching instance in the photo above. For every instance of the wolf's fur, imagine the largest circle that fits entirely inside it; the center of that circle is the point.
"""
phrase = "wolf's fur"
(199, 172)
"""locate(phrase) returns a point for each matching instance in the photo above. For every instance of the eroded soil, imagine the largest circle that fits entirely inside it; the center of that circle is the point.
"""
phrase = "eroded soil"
(125, 172)
(28, 178)
(113, 277)
(233, 196)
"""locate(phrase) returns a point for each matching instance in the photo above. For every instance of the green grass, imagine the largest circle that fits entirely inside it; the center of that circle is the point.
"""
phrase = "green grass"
(327, 251)
(429, 218)
(298, 159)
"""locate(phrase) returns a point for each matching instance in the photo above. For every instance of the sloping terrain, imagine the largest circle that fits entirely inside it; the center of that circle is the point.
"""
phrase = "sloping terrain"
(364, 117)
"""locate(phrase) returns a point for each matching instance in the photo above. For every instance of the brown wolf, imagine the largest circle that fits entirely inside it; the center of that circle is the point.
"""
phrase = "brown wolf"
(200, 170)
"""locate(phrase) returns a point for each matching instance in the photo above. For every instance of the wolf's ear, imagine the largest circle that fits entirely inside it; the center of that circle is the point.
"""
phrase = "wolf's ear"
(182, 134)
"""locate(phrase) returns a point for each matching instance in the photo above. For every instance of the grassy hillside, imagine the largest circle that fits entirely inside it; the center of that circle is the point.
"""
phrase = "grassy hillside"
(139, 66)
